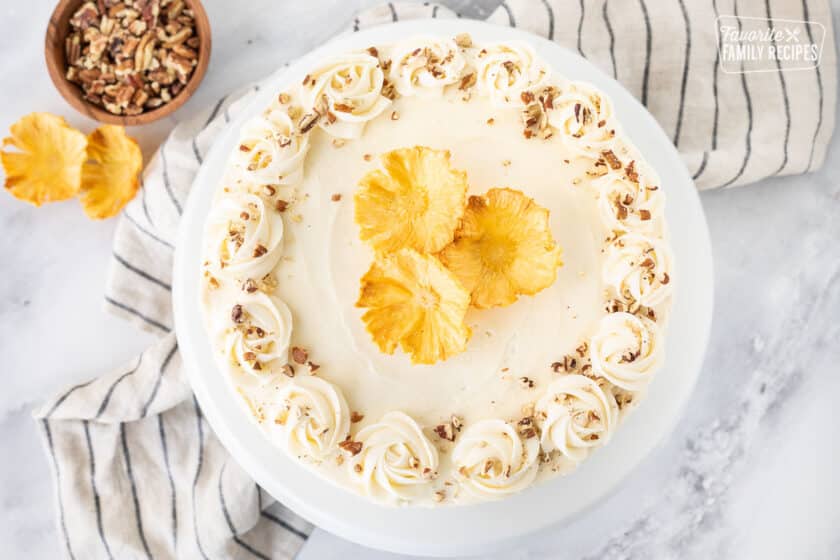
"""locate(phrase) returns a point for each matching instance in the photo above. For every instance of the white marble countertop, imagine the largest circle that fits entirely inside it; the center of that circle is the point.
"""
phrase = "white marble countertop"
(752, 470)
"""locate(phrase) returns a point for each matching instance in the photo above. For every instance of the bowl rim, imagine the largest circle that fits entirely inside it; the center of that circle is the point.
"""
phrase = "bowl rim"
(57, 66)
(480, 528)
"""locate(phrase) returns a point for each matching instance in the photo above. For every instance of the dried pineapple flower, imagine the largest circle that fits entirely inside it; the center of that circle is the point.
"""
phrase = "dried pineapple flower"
(413, 301)
(110, 178)
(503, 248)
(48, 165)
(415, 201)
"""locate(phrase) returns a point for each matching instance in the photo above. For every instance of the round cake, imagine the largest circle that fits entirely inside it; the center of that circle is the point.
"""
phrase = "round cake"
(437, 272)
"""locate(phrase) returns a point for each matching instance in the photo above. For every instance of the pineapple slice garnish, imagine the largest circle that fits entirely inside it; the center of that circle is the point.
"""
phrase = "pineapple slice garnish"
(415, 201)
(503, 248)
(110, 178)
(46, 164)
(413, 301)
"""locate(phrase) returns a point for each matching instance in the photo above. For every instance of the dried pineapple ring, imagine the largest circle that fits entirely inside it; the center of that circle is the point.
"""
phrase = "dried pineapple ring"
(110, 179)
(415, 302)
(416, 201)
(503, 248)
(48, 166)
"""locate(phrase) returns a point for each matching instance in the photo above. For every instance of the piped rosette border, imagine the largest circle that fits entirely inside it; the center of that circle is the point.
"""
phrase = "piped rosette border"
(394, 459)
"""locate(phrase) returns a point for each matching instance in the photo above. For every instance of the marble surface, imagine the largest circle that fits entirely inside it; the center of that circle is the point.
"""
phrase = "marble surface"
(750, 472)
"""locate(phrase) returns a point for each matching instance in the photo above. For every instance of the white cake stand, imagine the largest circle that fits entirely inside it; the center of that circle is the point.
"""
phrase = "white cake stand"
(447, 531)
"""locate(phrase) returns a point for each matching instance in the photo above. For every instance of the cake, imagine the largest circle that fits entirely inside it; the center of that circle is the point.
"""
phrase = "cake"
(437, 272)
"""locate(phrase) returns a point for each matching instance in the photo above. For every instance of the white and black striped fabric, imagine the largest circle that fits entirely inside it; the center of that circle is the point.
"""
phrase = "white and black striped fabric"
(138, 472)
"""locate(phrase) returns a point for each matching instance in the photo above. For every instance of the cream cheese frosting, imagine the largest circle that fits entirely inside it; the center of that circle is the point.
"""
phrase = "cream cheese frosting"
(626, 350)
(348, 90)
(504, 71)
(246, 237)
(425, 66)
(492, 459)
(270, 151)
(258, 343)
(542, 383)
(312, 416)
(395, 457)
(585, 119)
(576, 414)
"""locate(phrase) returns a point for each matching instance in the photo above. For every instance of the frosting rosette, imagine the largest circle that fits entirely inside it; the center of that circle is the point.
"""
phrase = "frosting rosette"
(347, 93)
(576, 414)
(246, 237)
(256, 334)
(492, 460)
(638, 269)
(313, 417)
(629, 199)
(504, 71)
(583, 119)
(270, 149)
(626, 350)
(425, 66)
(395, 458)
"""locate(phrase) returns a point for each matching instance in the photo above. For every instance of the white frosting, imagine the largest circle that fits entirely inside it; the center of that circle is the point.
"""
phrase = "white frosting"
(628, 205)
(396, 457)
(352, 87)
(259, 345)
(492, 460)
(313, 417)
(426, 66)
(638, 269)
(324, 259)
(576, 414)
(626, 350)
(506, 70)
(583, 117)
(246, 239)
(270, 150)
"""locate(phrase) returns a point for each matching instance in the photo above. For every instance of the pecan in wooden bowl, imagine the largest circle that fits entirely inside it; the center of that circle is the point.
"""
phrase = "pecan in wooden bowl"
(127, 62)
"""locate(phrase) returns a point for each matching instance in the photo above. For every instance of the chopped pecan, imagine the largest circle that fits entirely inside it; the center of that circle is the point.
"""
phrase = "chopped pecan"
(351, 447)
(128, 41)
(308, 122)
(463, 40)
(611, 159)
(445, 431)
(299, 355)
(467, 81)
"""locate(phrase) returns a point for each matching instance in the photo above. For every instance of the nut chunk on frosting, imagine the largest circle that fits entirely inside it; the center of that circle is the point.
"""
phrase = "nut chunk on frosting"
(426, 65)
(395, 458)
(506, 71)
(270, 150)
(256, 334)
(638, 268)
(492, 460)
(576, 414)
(314, 417)
(584, 119)
(626, 350)
(345, 93)
(246, 238)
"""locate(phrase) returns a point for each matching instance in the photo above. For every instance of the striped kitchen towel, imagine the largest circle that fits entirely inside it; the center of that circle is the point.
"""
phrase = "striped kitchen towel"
(137, 470)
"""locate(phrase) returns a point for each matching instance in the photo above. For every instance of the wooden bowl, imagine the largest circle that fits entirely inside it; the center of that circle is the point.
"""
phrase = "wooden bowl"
(54, 51)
